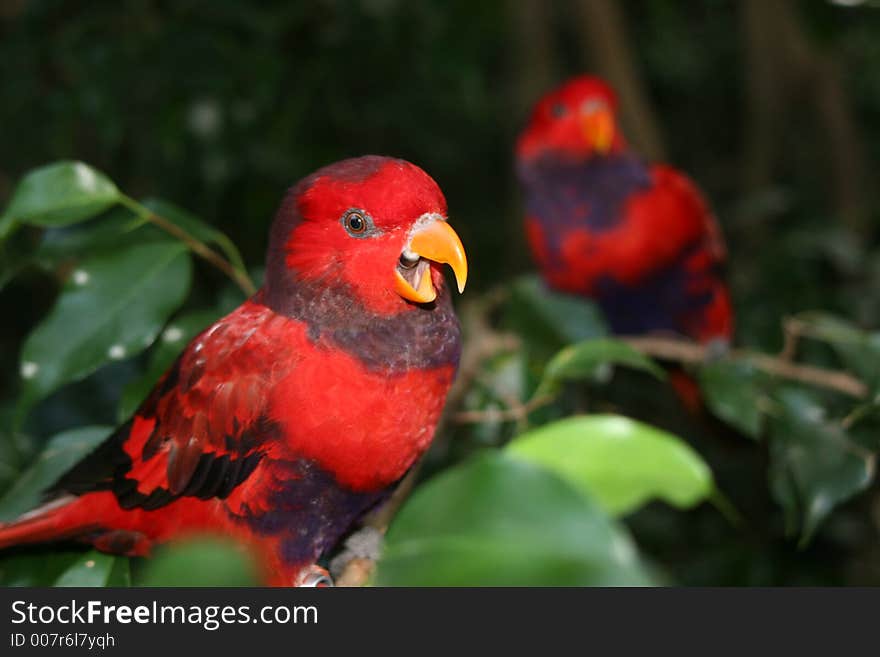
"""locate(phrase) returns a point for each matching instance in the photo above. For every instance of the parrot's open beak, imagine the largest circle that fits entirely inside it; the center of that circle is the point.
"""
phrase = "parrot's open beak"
(598, 128)
(432, 239)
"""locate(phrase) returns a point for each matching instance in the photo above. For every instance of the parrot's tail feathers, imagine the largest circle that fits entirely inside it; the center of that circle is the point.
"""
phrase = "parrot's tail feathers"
(49, 522)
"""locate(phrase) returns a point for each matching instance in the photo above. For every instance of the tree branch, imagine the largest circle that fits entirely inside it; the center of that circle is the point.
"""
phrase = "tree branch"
(206, 253)
(195, 245)
(686, 351)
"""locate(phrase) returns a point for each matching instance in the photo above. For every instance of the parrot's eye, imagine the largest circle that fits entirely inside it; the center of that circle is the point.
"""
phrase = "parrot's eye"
(558, 110)
(358, 223)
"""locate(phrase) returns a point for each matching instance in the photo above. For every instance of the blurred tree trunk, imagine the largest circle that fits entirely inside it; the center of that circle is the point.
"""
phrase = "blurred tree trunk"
(784, 71)
(607, 41)
(533, 52)
(534, 72)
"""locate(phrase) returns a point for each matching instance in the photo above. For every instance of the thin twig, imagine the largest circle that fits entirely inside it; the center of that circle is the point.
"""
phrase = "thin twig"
(195, 245)
(515, 412)
(686, 351)
(205, 252)
(792, 332)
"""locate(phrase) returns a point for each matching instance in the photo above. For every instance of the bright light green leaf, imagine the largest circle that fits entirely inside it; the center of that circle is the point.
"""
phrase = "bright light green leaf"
(583, 360)
(621, 463)
(171, 342)
(59, 455)
(814, 464)
(59, 194)
(734, 392)
(498, 521)
(111, 308)
(200, 562)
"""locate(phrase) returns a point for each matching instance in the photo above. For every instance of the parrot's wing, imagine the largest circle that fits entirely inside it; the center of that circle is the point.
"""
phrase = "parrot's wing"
(203, 428)
(660, 225)
(697, 221)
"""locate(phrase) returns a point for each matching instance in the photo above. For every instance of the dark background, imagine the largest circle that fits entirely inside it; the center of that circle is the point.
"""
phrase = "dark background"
(772, 107)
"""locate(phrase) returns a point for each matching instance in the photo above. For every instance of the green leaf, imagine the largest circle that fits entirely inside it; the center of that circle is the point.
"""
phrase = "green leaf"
(197, 228)
(16, 254)
(94, 569)
(814, 463)
(112, 307)
(734, 391)
(59, 455)
(621, 463)
(859, 350)
(36, 566)
(112, 231)
(171, 343)
(59, 194)
(200, 562)
(498, 521)
(40, 567)
(583, 360)
(16, 451)
(543, 314)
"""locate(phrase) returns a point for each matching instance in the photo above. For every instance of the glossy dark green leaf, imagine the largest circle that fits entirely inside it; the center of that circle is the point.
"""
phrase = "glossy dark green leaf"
(16, 254)
(40, 566)
(583, 360)
(196, 227)
(46, 566)
(543, 314)
(814, 464)
(59, 454)
(735, 393)
(94, 569)
(200, 562)
(621, 463)
(112, 307)
(114, 230)
(858, 349)
(496, 520)
(58, 194)
(16, 451)
(171, 342)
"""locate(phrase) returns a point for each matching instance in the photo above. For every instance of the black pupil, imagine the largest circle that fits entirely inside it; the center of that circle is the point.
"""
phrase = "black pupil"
(558, 110)
(356, 222)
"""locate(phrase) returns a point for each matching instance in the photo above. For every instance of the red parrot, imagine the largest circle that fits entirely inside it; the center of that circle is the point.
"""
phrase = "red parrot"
(285, 421)
(637, 238)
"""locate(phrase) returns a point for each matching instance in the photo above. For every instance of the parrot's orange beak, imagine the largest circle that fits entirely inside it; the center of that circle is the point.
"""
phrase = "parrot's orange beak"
(598, 128)
(432, 240)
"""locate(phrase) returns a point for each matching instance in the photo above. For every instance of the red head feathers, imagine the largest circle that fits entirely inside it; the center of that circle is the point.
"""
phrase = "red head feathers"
(374, 224)
(576, 120)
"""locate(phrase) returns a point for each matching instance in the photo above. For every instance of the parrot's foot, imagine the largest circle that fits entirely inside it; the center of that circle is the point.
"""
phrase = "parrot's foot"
(716, 349)
(313, 576)
(363, 545)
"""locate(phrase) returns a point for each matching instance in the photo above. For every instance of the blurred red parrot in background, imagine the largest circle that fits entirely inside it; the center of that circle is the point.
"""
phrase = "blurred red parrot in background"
(637, 238)
(285, 421)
